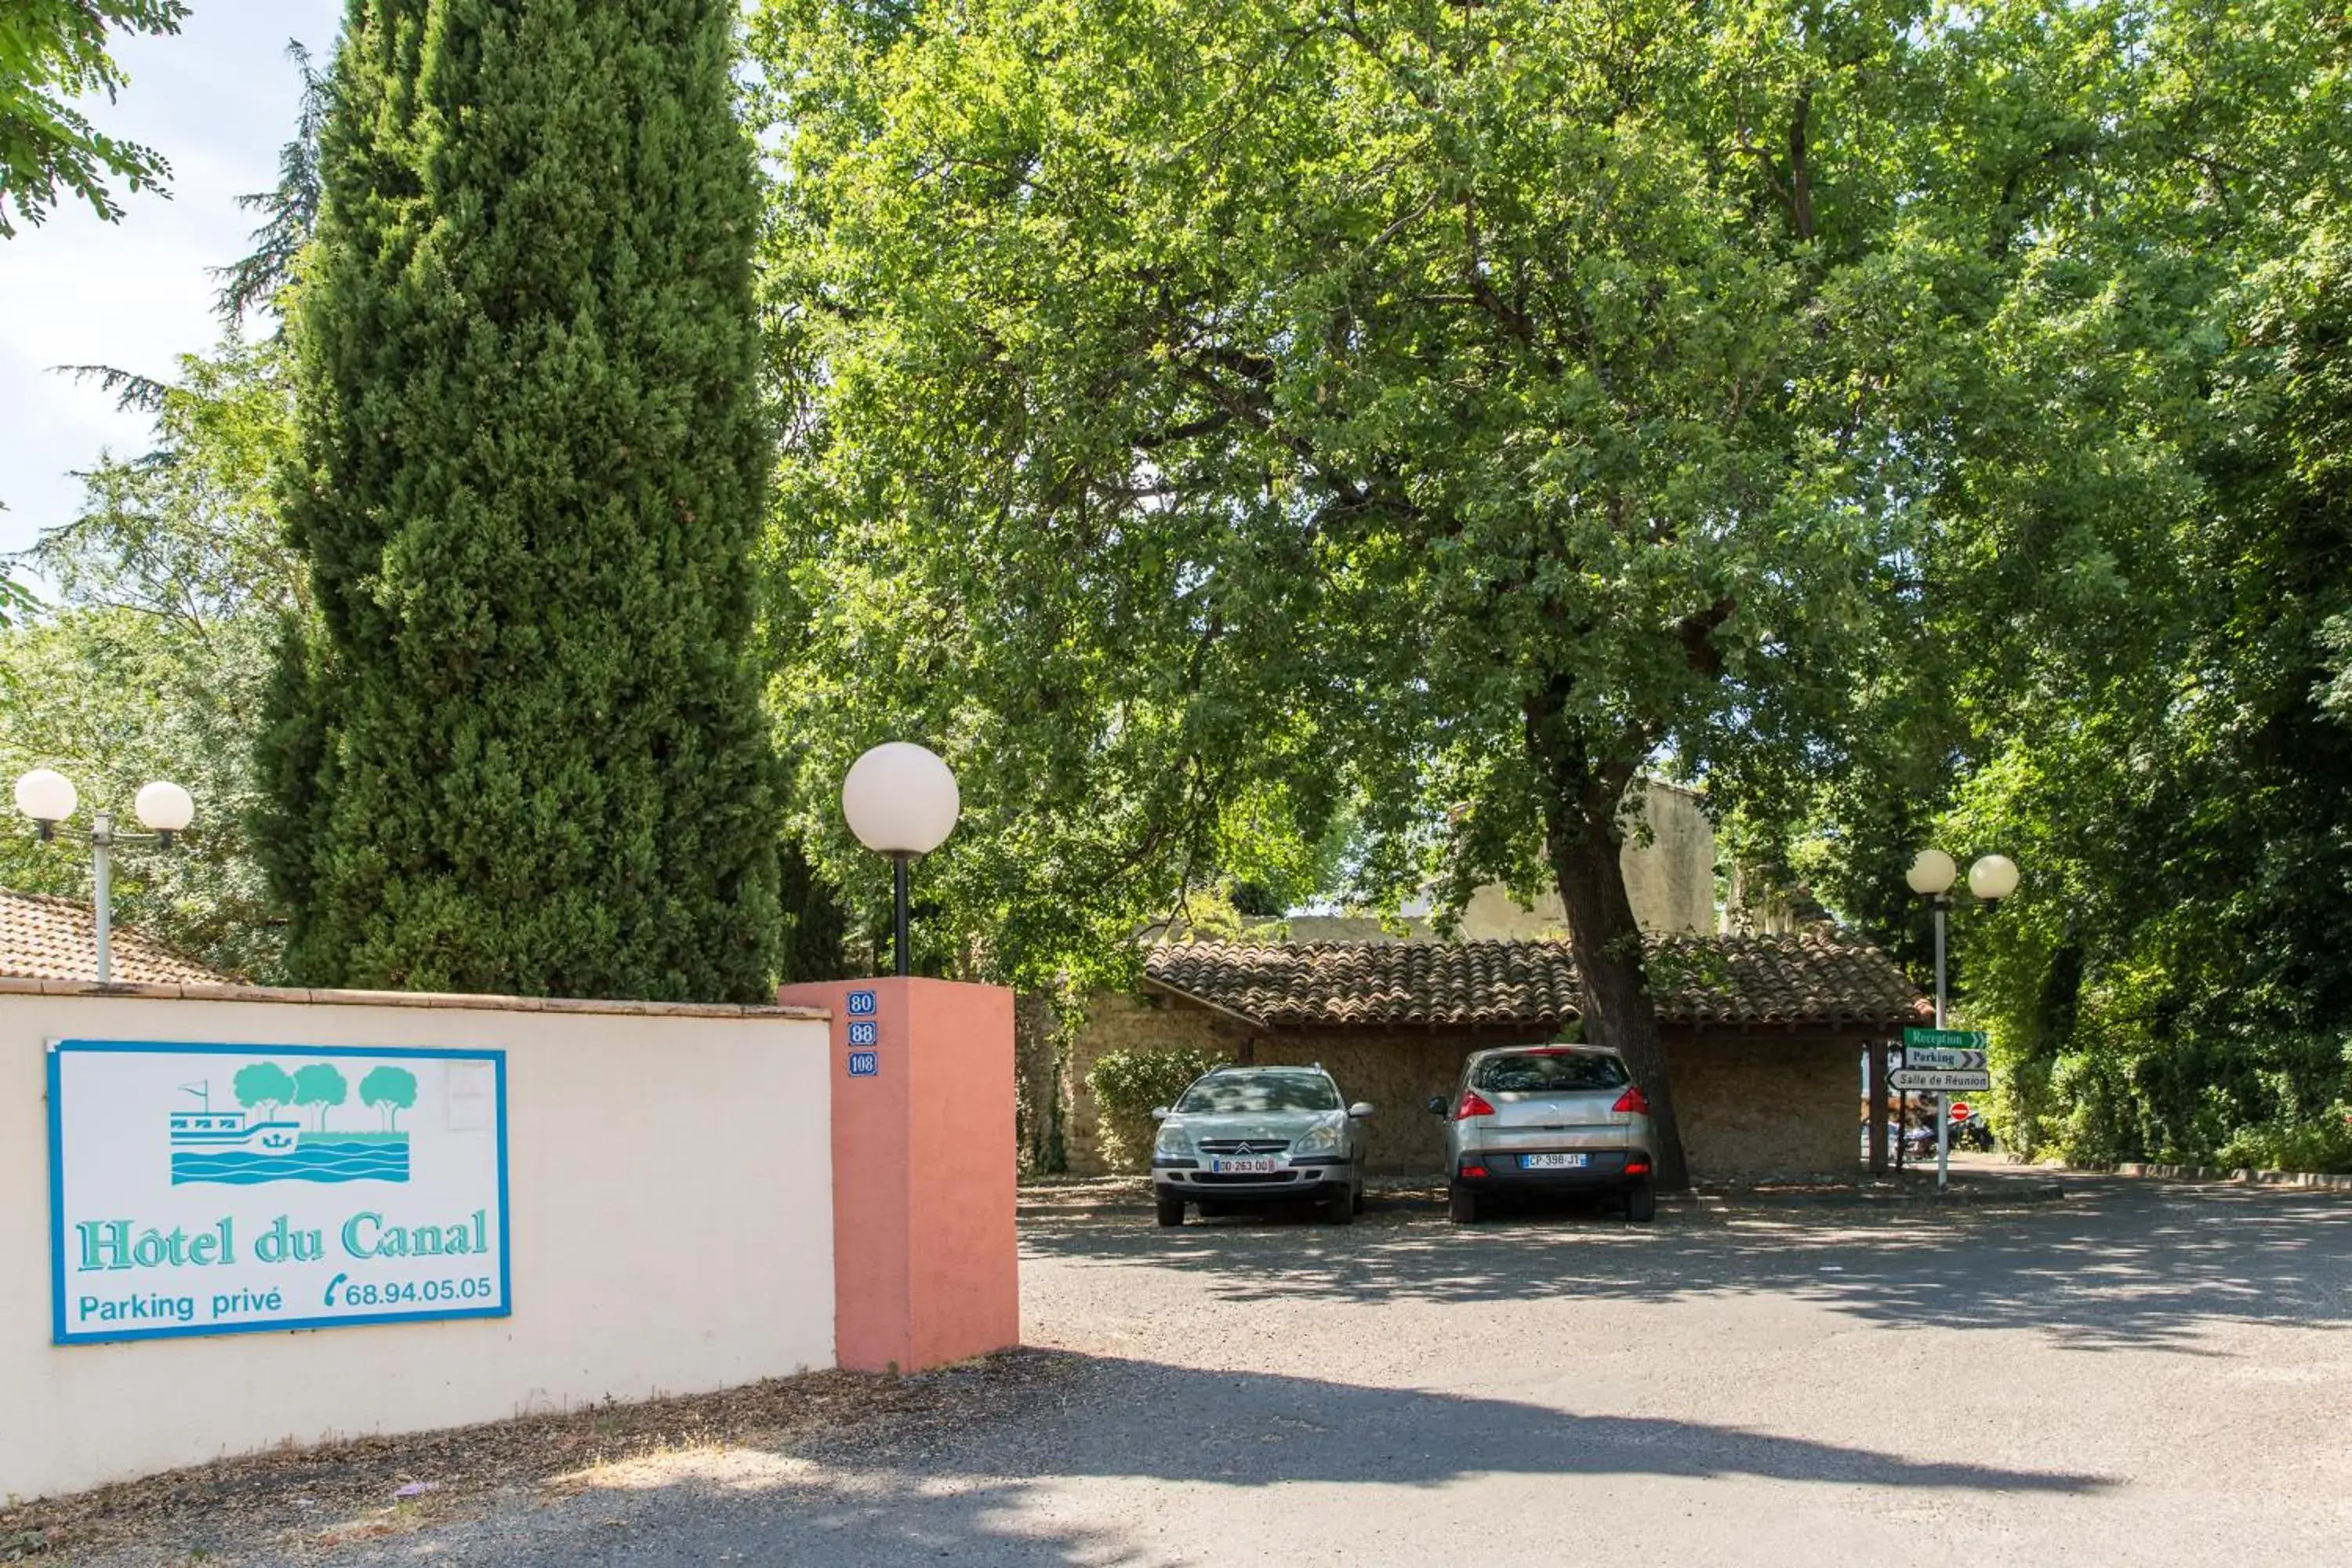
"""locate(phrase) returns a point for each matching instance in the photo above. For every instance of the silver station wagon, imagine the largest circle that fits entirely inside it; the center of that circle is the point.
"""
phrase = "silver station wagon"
(1249, 1135)
(1547, 1119)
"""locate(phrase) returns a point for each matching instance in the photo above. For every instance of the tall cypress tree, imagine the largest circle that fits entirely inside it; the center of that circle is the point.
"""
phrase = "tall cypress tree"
(521, 746)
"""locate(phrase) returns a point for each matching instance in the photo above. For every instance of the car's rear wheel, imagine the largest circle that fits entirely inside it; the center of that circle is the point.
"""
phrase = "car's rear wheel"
(1171, 1211)
(1460, 1205)
(1642, 1204)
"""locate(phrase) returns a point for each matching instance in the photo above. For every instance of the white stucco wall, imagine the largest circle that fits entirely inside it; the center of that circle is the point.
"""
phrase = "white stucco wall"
(671, 1207)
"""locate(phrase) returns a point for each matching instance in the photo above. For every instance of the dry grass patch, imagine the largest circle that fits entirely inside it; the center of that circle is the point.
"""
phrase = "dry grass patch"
(302, 1499)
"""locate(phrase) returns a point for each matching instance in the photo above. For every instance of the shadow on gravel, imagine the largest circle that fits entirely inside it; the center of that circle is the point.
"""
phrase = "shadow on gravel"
(2122, 1264)
(963, 1477)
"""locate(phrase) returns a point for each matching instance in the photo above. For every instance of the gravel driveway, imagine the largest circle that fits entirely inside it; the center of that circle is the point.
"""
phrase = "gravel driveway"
(2141, 1373)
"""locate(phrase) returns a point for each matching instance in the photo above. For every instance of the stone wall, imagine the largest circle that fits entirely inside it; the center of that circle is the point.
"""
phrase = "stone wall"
(1760, 1104)
(1752, 1105)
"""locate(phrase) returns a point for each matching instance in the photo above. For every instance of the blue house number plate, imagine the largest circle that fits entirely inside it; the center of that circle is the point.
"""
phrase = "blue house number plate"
(861, 1004)
(863, 1032)
(865, 1064)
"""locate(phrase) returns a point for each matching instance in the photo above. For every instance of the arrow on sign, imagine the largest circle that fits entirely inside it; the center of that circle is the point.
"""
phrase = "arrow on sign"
(1951, 1039)
(1914, 1082)
(1943, 1057)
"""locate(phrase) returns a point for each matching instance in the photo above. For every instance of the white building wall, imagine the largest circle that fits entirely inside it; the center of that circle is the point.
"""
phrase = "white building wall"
(670, 1205)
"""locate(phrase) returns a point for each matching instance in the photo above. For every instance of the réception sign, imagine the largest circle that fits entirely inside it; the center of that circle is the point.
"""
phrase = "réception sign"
(214, 1189)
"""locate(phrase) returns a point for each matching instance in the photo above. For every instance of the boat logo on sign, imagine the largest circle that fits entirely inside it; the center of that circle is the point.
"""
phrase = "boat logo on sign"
(267, 1139)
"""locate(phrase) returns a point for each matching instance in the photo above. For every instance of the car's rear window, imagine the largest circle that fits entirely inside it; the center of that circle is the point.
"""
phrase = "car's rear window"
(1549, 1072)
(1259, 1092)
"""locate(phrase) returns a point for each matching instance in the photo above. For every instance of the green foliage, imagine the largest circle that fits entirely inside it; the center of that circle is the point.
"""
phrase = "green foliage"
(289, 210)
(1207, 417)
(1129, 1085)
(171, 582)
(17, 601)
(2322, 1142)
(51, 52)
(2132, 635)
(522, 749)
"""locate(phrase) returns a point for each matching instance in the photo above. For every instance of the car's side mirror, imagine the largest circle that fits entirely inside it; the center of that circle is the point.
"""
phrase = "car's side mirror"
(1437, 1105)
(1159, 1113)
(1361, 1109)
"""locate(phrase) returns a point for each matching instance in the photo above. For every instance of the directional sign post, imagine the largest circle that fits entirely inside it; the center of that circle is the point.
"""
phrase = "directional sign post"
(1941, 1060)
(1944, 1058)
(1927, 1081)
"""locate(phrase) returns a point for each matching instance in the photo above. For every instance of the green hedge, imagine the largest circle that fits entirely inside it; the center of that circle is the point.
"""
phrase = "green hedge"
(1128, 1085)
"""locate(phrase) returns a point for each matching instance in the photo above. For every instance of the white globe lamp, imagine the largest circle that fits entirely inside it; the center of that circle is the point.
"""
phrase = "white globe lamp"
(901, 801)
(1993, 877)
(1931, 873)
(48, 796)
(164, 807)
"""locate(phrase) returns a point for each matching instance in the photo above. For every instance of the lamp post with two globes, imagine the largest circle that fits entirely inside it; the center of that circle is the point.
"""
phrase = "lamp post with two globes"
(901, 801)
(164, 809)
(1991, 878)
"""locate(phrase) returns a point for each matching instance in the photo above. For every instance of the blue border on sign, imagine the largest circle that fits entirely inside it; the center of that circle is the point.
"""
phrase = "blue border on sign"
(60, 1335)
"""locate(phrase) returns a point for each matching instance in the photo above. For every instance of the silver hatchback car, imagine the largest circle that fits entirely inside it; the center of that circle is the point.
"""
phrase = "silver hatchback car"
(1253, 1134)
(1547, 1119)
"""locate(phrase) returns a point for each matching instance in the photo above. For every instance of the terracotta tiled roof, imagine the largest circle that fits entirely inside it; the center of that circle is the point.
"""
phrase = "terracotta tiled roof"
(1755, 980)
(42, 938)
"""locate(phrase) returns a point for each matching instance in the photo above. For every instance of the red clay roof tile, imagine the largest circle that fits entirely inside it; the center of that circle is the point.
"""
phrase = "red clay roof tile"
(1756, 980)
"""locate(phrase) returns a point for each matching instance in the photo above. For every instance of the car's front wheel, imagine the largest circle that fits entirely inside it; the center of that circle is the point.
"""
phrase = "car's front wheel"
(1340, 1210)
(1171, 1211)
(1460, 1205)
(1642, 1204)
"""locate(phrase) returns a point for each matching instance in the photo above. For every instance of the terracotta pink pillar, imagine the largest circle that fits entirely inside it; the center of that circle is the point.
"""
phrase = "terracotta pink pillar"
(924, 1263)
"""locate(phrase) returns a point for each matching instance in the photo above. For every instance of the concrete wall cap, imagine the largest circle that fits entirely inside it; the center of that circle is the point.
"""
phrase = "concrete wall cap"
(11, 986)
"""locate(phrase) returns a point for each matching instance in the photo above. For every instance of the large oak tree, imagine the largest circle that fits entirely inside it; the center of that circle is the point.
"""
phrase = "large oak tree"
(1461, 409)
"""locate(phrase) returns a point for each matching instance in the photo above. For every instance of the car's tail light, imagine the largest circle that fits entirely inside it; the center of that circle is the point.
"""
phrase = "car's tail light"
(1472, 1104)
(1632, 1100)
(1637, 1167)
(1478, 1171)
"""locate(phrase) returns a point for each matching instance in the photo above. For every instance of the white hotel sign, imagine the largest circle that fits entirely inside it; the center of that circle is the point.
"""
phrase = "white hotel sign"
(211, 1189)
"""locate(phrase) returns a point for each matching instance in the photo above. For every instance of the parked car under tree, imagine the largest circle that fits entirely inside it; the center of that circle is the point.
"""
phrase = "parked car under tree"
(1539, 1120)
(1248, 1135)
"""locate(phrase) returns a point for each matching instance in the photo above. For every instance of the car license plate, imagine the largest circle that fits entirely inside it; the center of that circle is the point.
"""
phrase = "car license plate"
(1554, 1161)
(1244, 1167)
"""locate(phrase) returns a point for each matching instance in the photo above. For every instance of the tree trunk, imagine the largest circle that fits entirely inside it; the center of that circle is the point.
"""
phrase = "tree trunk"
(1585, 842)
